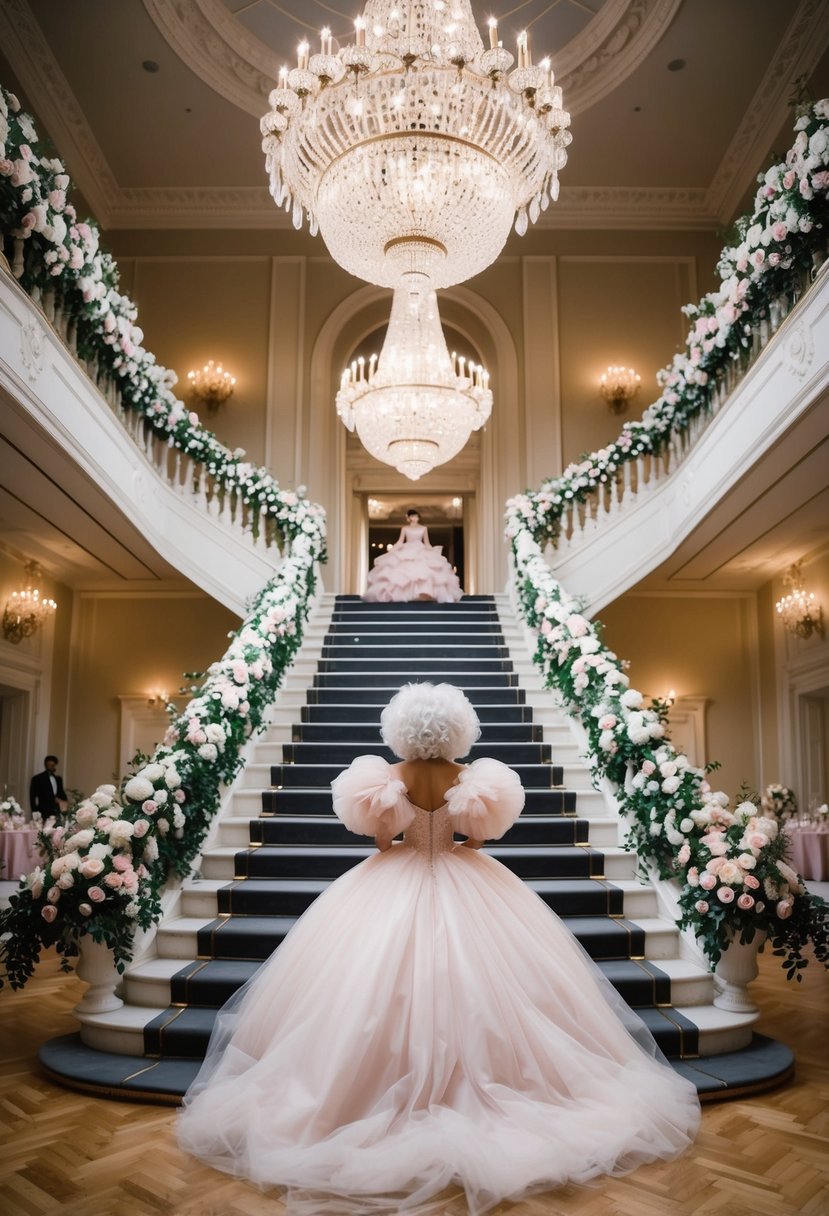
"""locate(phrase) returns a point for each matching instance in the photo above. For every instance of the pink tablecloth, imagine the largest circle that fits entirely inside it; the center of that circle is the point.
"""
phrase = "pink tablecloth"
(810, 853)
(17, 854)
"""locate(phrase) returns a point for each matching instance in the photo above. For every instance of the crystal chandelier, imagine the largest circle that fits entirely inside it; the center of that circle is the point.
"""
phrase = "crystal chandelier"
(27, 610)
(415, 406)
(415, 149)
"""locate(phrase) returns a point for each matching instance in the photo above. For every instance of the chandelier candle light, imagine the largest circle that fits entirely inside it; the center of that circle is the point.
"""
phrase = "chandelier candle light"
(799, 611)
(415, 406)
(415, 149)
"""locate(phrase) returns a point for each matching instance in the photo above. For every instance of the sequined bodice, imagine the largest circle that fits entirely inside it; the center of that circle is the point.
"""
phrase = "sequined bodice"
(430, 832)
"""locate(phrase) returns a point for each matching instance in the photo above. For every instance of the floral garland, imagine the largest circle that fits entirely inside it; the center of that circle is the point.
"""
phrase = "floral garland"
(730, 864)
(51, 250)
(778, 243)
(104, 870)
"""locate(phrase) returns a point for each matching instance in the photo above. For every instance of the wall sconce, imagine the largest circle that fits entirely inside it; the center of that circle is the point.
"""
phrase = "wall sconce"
(618, 386)
(28, 609)
(158, 698)
(799, 610)
(212, 385)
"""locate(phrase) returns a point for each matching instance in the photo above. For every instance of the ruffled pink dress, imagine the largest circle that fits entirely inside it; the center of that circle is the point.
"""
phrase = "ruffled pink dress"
(413, 570)
(427, 1023)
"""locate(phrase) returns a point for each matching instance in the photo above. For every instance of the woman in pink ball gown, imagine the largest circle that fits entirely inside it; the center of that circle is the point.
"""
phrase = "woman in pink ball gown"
(413, 569)
(429, 1022)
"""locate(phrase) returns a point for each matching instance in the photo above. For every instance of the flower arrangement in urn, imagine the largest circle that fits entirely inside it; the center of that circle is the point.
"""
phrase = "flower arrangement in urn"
(105, 867)
(734, 879)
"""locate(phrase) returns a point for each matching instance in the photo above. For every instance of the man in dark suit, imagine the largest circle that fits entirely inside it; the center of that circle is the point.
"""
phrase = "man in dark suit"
(46, 792)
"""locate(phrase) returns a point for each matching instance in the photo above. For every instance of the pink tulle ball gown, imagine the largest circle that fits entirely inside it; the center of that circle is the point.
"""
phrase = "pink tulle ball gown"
(413, 570)
(429, 1022)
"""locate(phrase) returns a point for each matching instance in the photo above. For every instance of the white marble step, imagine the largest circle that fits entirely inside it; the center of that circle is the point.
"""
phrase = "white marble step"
(661, 937)
(640, 902)
(690, 984)
(720, 1030)
(121, 1032)
(177, 937)
(148, 984)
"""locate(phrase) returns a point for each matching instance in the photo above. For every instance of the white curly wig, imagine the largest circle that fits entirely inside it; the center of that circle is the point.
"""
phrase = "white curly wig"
(424, 721)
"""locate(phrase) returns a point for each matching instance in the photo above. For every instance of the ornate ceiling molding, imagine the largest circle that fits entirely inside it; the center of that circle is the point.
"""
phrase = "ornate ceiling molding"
(252, 207)
(241, 68)
(800, 51)
(40, 74)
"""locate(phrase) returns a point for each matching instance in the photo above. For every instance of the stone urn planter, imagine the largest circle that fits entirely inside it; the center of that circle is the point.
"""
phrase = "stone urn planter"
(96, 967)
(734, 972)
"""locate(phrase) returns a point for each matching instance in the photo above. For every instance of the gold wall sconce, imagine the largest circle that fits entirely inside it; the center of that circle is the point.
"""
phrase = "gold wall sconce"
(27, 609)
(618, 386)
(799, 611)
(211, 385)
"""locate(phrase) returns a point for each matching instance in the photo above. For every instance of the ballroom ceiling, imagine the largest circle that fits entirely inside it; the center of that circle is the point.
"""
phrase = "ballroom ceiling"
(675, 103)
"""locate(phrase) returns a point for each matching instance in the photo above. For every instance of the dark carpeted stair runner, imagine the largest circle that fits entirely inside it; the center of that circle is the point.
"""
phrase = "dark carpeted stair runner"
(297, 846)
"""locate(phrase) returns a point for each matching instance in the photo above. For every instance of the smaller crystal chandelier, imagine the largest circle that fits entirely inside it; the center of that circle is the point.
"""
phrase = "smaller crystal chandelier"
(27, 610)
(414, 407)
(212, 384)
(618, 386)
(799, 610)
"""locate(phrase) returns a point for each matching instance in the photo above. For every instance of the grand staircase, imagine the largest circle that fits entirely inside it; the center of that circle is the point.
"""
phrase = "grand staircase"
(280, 845)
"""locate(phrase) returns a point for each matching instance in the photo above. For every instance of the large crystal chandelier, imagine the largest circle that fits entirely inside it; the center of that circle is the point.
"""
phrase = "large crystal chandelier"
(415, 149)
(415, 406)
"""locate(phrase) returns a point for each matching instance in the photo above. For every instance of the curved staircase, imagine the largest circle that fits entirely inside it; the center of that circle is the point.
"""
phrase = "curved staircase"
(280, 845)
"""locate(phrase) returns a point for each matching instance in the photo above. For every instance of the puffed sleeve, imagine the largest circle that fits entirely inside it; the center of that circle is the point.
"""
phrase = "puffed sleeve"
(487, 799)
(370, 800)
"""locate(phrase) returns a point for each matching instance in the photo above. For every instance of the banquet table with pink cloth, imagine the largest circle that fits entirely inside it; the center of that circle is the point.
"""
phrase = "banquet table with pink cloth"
(810, 852)
(18, 853)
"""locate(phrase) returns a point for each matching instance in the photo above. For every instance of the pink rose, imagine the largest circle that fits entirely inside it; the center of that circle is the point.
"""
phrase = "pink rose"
(701, 906)
(85, 909)
(715, 865)
(607, 722)
(6, 167)
(779, 231)
(577, 625)
(149, 807)
(114, 880)
(784, 909)
(142, 871)
(708, 882)
(91, 867)
(140, 828)
(121, 863)
(693, 877)
(788, 179)
(96, 894)
(684, 854)
(725, 895)
(751, 881)
(648, 767)
(745, 902)
(53, 895)
(758, 840)
(49, 913)
(718, 847)
(179, 796)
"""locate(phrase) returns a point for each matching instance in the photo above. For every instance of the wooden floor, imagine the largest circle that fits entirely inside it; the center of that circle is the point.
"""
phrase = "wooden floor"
(81, 1156)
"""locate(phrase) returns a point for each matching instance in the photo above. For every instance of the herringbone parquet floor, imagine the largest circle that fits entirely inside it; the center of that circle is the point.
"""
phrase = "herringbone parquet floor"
(81, 1156)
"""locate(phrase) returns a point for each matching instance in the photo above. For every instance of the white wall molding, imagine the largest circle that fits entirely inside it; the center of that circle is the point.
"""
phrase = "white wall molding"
(619, 550)
(212, 552)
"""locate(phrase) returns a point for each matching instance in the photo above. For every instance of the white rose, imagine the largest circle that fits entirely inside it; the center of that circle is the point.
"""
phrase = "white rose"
(208, 751)
(172, 779)
(99, 798)
(153, 772)
(120, 833)
(668, 769)
(138, 789)
(80, 840)
(670, 785)
(100, 851)
(687, 825)
(631, 698)
(160, 796)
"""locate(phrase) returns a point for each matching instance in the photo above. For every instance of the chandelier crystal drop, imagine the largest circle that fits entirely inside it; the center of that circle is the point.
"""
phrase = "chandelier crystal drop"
(415, 406)
(415, 149)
